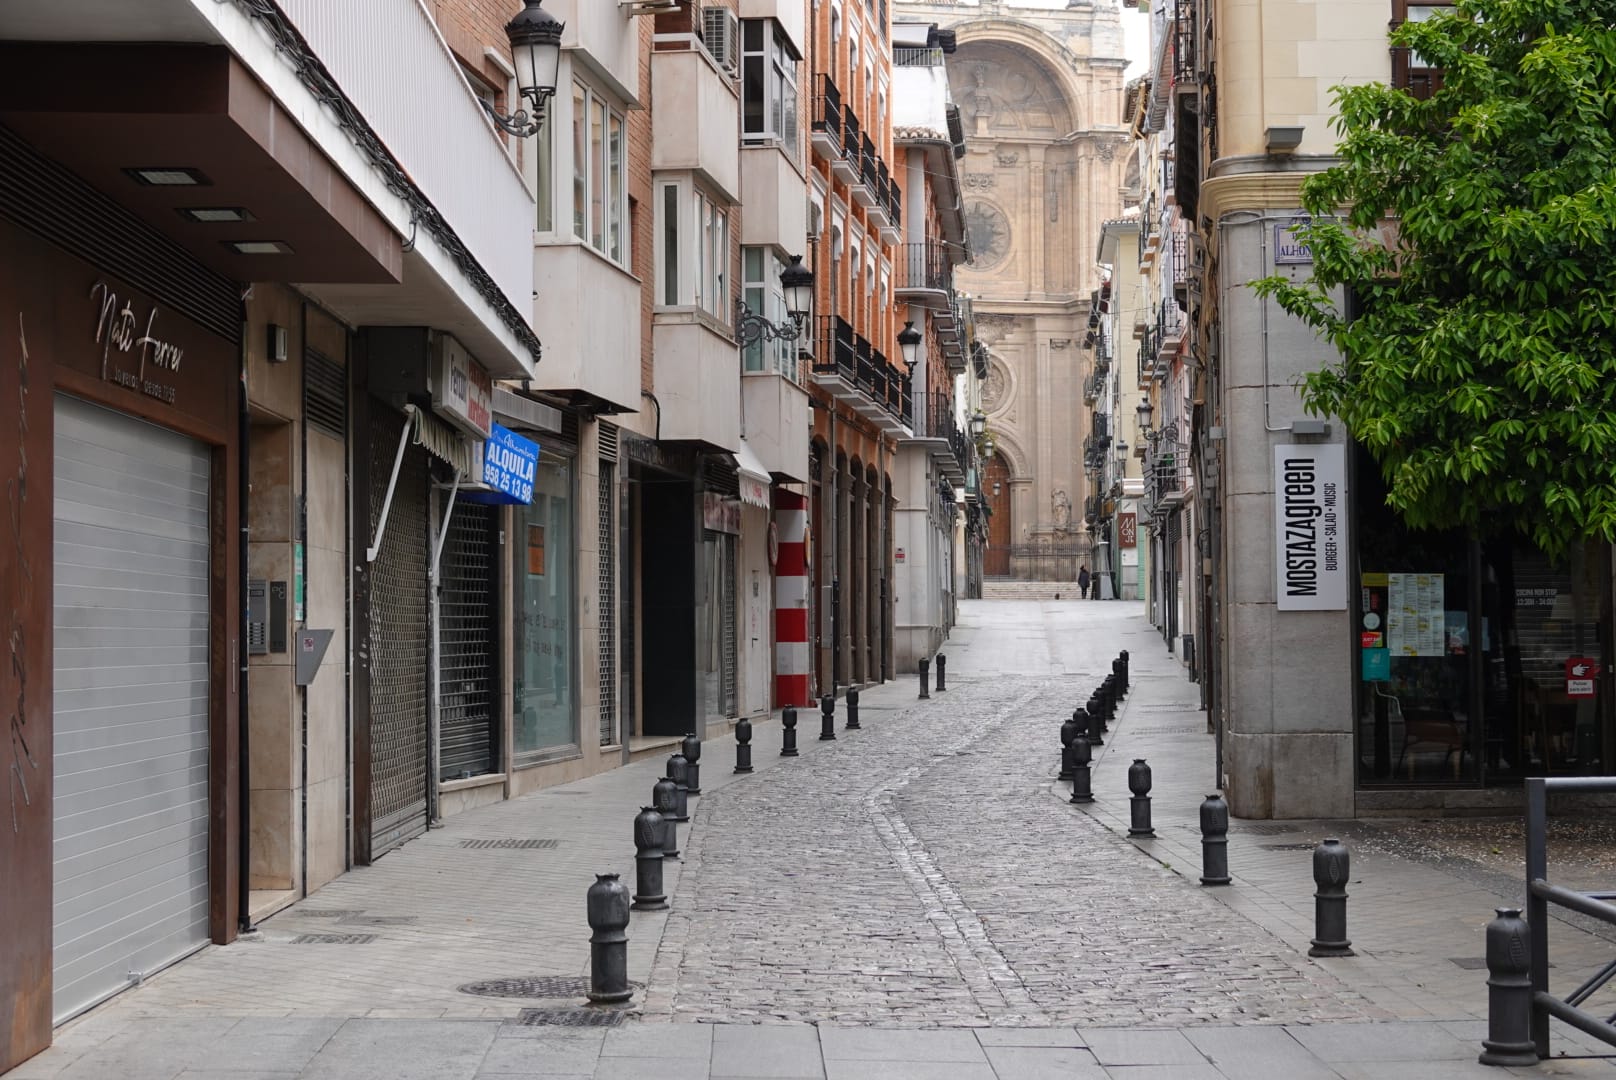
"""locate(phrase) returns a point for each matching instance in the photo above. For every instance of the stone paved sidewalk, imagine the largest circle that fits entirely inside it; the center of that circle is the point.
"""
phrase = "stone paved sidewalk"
(915, 899)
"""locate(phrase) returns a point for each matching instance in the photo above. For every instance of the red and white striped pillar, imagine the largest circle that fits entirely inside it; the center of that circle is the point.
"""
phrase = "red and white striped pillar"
(793, 653)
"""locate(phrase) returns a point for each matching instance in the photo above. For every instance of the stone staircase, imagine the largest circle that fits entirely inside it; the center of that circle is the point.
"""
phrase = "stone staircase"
(1030, 590)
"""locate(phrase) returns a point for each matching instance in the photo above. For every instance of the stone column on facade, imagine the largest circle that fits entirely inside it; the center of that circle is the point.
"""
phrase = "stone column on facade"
(1037, 282)
(844, 515)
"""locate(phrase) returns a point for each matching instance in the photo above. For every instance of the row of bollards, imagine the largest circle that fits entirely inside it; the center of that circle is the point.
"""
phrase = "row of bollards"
(924, 667)
(1332, 862)
(656, 838)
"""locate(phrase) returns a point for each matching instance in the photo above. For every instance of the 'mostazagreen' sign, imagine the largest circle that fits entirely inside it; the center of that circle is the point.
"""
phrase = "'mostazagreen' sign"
(1310, 527)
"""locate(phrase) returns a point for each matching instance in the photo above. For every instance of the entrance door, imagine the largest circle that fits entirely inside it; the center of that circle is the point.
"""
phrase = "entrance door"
(132, 614)
(996, 490)
(467, 646)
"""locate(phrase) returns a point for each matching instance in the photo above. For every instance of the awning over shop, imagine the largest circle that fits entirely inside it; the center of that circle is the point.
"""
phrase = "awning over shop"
(754, 477)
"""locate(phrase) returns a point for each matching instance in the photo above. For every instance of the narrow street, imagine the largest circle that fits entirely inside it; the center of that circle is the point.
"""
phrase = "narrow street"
(924, 876)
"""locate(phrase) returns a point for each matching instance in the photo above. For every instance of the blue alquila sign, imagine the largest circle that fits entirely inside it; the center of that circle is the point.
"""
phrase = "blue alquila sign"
(509, 465)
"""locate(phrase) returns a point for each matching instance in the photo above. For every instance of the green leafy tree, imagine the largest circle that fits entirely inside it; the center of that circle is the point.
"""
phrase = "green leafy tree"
(1477, 231)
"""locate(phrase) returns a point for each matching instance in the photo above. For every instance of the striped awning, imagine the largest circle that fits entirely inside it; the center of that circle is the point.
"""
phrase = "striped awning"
(442, 441)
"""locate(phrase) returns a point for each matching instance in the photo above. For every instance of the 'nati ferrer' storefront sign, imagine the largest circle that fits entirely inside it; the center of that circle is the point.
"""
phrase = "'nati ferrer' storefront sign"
(510, 463)
(1310, 527)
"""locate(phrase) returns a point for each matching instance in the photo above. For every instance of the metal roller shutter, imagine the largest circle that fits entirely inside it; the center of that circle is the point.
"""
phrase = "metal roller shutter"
(132, 610)
(466, 644)
(398, 641)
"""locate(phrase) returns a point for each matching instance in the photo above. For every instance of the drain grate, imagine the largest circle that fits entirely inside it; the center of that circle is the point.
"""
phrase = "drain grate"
(529, 986)
(1269, 828)
(357, 919)
(1181, 729)
(1288, 847)
(509, 842)
(1469, 963)
(333, 939)
(327, 913)
(571, 1017)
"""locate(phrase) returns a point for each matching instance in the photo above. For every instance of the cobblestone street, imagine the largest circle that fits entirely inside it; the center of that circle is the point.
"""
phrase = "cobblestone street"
(925, 872)
(920, 872)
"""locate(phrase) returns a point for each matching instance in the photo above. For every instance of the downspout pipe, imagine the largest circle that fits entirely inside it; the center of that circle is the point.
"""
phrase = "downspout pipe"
(244, 758)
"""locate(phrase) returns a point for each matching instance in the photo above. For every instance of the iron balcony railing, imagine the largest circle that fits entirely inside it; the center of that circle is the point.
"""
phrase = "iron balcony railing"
(1185, 34)
(1169, 469)
(836, 351)
(1147, 228)
(869, 166)
(940, 424)
(895, 204)
(925, 266)
(827, 122)
(1171, 322)
(852, 135)
(911, 56)
(1149, 346)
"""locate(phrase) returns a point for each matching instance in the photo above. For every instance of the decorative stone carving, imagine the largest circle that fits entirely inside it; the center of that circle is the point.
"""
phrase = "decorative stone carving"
(994, 386)
(979, 181)
(1007, 157)
(990, 234)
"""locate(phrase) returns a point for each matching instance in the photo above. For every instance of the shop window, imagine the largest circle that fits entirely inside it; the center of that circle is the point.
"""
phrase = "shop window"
(546, 721)
(1478, 661)
(768, 86)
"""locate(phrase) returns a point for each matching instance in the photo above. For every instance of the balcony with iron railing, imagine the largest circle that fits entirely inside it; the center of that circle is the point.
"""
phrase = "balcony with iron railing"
(938, 428)
(1167, 478)
(915, 56)
(1149, 231)
(825, 131)
(848, 167)
(927, 277)
(1149, 346)
(1171, 326)
(855, 372)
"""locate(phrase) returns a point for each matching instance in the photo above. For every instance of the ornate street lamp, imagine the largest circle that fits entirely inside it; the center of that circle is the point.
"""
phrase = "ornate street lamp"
(535, 37)
(979, 424)
(1145, 411)
(797, 282)
(909, 340)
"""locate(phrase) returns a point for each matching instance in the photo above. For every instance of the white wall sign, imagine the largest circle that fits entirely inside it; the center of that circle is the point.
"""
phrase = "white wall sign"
(462, 391)
(1310, 526)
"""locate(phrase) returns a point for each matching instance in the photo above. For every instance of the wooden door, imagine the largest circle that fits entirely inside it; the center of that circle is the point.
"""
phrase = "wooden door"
(996, 490)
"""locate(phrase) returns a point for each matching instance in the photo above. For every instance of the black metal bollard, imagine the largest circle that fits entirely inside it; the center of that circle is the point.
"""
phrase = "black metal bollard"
(1097, 714)
(691, 748)
(1332, 865)
(788, 731)
(1090, 724)
(665, 798)
(1139, 805)
(679, 773)
(743, 745)
(1122, 680)
(852, 709)
(1082, 791)
(1123, 656)
(1068, 732)
(942, 673)
(1214, 840)
(827, 718)
(607, 907)
(1108, 698)
(925, 675)
(1509, 992)
(648, 835)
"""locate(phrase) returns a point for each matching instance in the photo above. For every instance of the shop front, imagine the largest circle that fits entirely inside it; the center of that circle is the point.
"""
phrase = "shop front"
(119, 407)
(1481, 660)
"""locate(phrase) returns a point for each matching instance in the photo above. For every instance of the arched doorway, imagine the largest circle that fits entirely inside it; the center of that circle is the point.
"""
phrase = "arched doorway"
(996, 490)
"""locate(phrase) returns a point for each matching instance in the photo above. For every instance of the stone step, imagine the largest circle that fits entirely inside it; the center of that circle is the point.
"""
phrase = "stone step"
(1031, 590)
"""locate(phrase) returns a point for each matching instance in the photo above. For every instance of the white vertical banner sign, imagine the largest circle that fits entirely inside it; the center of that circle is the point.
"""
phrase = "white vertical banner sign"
(1310, 526)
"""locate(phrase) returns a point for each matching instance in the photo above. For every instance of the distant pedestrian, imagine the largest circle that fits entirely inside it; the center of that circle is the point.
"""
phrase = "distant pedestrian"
(1083, 580)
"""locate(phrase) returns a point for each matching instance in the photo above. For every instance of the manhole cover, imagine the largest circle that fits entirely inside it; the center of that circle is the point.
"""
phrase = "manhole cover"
(333, 939)
(1287, 847)
(508, 843)
(530, 986)
(571, 1017)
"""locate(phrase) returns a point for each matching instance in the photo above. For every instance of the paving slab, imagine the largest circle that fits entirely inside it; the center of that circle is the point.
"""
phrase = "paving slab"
(1010, 1036)
(900, 1045)
(367, 1049)
(785, 1052)
(1384, 1042)
(1124, 1046)
(1043, 1063)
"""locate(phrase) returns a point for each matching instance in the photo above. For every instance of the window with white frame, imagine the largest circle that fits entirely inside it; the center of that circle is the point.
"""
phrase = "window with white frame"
(760, 272)
(768, 85)
(692, 249)
(599, 190)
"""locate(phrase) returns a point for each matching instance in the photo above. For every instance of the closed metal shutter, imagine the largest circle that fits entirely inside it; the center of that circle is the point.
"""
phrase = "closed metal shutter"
(607, 608)
(132, 612)
(466, 643)
(727, 687)
(398, 641)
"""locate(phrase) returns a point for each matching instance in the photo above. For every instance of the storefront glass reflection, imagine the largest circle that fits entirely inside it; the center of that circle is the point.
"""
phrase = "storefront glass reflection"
(545, 720)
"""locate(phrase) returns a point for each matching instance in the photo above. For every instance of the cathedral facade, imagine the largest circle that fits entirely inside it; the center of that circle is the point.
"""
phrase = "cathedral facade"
(1040, 93)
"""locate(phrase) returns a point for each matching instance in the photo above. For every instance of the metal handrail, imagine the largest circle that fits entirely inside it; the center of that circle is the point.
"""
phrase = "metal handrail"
(1540, 893)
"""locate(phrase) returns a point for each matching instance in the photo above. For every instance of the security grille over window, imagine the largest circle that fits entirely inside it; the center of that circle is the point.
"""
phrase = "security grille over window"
(325, 394)
(608, 603)
(398, 641)
(467, 646)
(727, 677)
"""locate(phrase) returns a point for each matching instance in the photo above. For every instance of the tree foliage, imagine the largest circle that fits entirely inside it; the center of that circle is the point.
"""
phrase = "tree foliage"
(1477, 230)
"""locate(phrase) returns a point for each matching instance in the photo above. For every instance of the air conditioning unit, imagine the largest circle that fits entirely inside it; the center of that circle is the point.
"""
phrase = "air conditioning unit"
(721, 35)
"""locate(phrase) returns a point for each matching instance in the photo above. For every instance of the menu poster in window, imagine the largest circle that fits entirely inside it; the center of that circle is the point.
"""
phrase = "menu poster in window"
(1416, 620)
(1376, 658)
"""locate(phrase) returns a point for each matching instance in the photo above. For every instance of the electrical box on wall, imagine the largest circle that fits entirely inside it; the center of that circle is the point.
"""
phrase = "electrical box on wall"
(257, 617)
